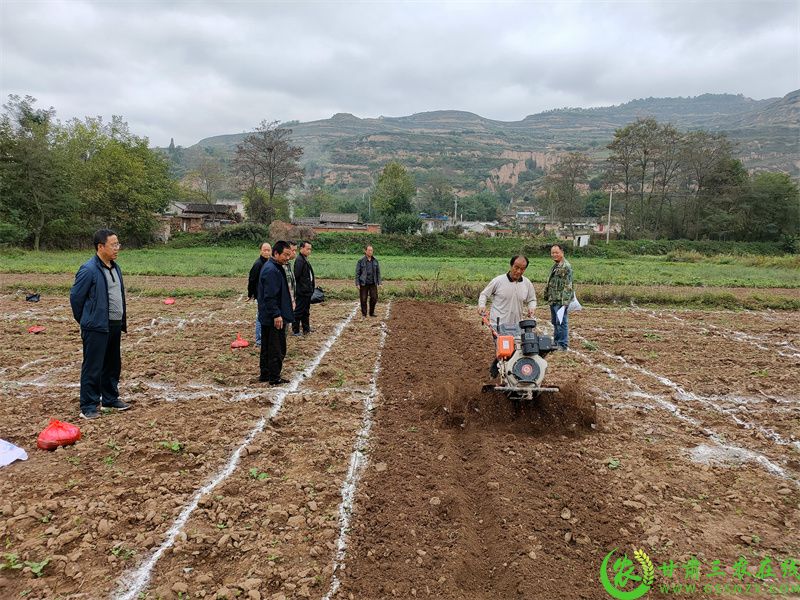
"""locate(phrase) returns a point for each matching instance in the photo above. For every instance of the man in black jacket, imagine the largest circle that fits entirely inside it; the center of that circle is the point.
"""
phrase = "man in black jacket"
(304, 280)
(368, 278)
(252, 282)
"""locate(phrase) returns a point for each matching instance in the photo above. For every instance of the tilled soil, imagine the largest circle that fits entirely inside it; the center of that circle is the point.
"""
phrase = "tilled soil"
(675, 431)
(467, 502)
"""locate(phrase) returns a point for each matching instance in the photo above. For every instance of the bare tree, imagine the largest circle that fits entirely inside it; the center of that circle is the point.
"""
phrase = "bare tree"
(667, 175)
(267, 159)
(210, 176)
(562, 185)
(703, 154)
(621, 170)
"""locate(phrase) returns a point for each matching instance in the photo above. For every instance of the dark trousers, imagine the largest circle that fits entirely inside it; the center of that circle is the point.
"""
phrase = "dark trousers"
(102, 365)
(302, 313)
(370, 290)
(273, 351)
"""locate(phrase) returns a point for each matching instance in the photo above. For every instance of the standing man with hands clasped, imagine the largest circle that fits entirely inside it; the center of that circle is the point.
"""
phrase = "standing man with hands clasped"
(368, 278)
(97, 299)
(274, 312)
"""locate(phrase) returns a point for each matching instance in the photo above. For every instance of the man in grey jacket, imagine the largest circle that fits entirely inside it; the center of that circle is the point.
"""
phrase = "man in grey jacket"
(97, 299)
(368, 278)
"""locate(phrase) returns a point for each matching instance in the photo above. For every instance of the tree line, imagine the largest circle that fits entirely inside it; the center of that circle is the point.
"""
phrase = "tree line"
(676, 185)
(666, 184)
(60, 182)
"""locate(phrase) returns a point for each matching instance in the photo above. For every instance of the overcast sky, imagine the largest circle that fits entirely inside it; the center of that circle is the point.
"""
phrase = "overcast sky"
(191, 70)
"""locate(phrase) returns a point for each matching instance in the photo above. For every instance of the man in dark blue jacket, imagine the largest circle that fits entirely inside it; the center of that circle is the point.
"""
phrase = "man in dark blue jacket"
(274, 312)
(97, 299)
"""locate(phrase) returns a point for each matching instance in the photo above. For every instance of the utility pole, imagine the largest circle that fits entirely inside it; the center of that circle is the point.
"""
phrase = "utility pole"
(608, 226)
(455, 212)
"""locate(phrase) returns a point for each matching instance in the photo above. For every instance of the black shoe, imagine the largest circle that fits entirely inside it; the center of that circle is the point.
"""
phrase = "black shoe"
(296, 334)
(90, 413)
(280, 381)
(494, 372)
(117, 404)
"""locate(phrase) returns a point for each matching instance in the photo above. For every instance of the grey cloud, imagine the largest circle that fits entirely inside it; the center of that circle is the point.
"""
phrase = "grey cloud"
(195, 69)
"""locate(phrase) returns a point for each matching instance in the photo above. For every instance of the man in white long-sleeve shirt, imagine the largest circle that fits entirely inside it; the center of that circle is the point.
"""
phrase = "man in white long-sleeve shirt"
(512, 296)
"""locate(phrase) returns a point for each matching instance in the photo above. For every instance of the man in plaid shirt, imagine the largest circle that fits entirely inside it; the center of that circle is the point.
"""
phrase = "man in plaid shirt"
(558, 294)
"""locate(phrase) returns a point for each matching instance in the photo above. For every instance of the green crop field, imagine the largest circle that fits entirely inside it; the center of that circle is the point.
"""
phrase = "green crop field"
(716, 271)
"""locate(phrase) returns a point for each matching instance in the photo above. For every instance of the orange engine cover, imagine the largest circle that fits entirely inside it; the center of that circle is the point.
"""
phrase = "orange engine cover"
(505, 346)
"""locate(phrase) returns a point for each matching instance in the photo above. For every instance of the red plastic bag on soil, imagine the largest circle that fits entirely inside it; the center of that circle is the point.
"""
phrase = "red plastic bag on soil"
(169, 301)
(58, 433)
(239, 342)
(36, 329)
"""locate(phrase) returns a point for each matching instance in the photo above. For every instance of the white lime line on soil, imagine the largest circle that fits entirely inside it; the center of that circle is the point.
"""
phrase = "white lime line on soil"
(191, 318)
(685, 395)
(130, 586)
(38, 318)
(182, 322)
(671, 408)
(729, 334)
(38, 361)
(358, 461)
(40, 313)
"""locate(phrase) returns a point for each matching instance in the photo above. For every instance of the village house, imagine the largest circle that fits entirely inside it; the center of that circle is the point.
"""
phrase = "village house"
(197, 217)
(336, 222)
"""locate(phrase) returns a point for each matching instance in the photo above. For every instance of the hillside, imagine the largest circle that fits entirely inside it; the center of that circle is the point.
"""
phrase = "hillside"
(347, 151)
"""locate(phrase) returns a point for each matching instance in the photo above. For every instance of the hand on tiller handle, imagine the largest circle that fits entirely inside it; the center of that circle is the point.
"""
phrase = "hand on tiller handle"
(486, 322)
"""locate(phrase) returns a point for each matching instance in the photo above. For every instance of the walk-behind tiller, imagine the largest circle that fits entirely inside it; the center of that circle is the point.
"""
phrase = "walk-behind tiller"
(520, 359)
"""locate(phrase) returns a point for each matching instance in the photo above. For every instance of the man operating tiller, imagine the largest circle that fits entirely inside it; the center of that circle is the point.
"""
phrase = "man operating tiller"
(520, 351)
(512, 297)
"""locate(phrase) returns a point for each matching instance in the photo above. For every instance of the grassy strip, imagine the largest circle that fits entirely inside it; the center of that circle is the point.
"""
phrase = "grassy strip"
(249, 236)
(467, 293)
(755, 272)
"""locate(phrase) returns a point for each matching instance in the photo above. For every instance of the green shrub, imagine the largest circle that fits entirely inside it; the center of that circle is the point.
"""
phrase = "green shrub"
(190, 240)
(11, 234)
(243, 232)
(790, 244)
(685, 256)
(448, 245)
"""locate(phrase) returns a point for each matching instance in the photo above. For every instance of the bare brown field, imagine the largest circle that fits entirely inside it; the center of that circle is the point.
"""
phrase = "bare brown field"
(381, 471)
